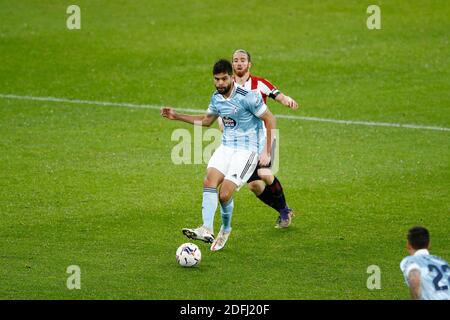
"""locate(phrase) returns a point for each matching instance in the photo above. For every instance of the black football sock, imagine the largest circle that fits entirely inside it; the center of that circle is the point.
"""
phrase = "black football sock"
(267, 197)
(278, 196)
(273, 196)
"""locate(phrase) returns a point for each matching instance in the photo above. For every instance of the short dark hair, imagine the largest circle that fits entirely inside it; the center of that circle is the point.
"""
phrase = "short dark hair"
(419, 237)
(223, 65)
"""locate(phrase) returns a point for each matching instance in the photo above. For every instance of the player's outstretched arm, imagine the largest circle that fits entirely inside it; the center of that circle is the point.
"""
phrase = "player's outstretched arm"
(270, 123)
(414, 284)
(202, 120)
(287, 101)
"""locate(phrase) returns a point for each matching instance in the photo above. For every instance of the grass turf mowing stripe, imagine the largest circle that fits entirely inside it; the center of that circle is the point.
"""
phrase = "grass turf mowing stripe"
(155, 107)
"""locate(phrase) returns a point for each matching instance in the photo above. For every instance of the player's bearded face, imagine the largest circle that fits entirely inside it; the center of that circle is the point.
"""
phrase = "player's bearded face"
(223, 82)
(241, 65)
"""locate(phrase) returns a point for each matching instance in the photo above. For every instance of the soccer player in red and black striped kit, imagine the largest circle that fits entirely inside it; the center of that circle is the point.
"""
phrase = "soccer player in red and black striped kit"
(263, 183)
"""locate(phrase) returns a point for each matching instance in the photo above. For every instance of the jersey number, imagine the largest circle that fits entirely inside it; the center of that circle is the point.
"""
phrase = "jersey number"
(445, 268)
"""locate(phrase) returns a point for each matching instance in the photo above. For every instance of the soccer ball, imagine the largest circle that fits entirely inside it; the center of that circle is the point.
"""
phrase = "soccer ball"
(188, 255)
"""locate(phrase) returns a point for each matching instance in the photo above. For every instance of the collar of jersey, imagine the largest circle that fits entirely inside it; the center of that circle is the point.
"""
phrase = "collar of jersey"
(421, 251)
(232, 93)
(249, 77)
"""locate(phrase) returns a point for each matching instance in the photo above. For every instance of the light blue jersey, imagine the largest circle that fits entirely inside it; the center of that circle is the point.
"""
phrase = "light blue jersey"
(434, 274)
(243, 129)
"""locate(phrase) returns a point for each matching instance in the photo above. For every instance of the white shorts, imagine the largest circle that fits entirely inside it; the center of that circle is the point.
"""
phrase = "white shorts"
(236, 165)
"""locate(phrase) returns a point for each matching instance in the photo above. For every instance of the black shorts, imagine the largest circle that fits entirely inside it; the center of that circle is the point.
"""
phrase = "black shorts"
(254, 175)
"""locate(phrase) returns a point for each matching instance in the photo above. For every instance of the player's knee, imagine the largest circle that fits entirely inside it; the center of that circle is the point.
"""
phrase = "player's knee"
(225, 195)
(208, 183)
(251, 187)
(255, 187)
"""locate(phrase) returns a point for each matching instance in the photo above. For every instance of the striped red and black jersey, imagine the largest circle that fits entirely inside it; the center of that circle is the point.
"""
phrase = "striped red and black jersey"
(262, 85)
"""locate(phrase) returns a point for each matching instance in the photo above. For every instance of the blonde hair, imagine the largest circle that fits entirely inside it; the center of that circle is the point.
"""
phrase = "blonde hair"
(242, 51)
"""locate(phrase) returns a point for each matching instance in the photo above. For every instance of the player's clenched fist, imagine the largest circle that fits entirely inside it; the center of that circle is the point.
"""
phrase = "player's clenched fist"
(291, 103)
(168, 113)
(264, 159)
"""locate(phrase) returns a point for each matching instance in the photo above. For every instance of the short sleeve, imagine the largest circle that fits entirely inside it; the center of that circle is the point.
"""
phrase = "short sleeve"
(268, 88)
(255, 104)
(407, 265)
(212, 109)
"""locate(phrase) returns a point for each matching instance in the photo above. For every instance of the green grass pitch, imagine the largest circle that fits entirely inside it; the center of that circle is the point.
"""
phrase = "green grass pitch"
(94, 186)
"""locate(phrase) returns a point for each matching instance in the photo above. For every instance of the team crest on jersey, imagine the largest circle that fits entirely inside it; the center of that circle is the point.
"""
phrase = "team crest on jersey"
(228, 122)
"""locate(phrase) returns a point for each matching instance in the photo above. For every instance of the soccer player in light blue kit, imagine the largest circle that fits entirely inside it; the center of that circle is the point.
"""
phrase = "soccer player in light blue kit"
(427, 276)
(234, 161)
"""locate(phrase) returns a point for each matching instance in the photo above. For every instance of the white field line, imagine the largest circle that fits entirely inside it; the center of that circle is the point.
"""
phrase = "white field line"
(155, 107)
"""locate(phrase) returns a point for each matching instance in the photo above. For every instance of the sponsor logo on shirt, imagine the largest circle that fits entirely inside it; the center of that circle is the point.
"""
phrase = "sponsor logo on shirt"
(228, 122)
